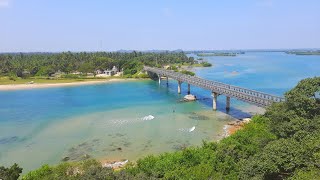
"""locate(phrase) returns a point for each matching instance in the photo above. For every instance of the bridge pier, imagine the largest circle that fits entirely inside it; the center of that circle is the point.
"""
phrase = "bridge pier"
(188, 88)
(167, 80)
(214, 100)
(159, 78)
(179, 87)
(228, 103)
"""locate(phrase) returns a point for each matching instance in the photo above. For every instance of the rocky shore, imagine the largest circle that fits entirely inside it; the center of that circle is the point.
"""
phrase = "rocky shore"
(234, 126)
(114, 164)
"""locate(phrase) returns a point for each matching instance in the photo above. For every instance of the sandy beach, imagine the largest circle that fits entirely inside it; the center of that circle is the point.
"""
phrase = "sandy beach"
(12, 87)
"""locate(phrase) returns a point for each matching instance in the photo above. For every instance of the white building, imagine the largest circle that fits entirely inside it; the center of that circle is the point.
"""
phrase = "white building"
(107, 73)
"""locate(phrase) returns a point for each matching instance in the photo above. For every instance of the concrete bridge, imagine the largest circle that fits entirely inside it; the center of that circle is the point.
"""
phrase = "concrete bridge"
(217, 88)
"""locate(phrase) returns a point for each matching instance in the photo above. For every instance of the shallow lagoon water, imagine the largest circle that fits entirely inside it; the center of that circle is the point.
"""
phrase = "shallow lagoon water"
(105, 121)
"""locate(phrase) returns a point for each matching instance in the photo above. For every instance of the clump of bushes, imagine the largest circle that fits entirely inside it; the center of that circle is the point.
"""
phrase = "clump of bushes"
(206, 64)
(188, 72)
(13, 77)
(11, 173)
(88, 169)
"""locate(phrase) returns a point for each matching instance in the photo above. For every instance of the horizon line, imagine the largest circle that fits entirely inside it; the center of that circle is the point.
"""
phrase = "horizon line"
(164, 50)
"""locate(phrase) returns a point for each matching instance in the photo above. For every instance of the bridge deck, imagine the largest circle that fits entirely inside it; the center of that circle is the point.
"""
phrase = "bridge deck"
(247, 95)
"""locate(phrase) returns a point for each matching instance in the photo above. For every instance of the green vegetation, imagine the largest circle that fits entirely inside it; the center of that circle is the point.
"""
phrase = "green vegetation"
(187, 72)
(194, 64)
(207, 54)
(72, 67)
(69, 65)
(206, 64)
(89, 169)
(11, 173)
(284, 143)
(216, 54)
(183, 71)
(304, 52)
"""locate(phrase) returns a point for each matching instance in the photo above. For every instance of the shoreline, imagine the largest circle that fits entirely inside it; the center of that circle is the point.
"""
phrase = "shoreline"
(233, 126)
(13, 87)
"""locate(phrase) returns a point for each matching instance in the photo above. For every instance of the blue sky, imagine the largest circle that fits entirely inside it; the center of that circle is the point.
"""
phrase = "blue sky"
(94, 25)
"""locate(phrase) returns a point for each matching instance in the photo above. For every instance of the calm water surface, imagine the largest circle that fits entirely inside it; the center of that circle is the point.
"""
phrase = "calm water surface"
(105, 121)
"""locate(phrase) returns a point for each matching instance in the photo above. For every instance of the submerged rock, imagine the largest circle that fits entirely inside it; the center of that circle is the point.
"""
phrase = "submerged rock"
(198, 117)
(179, 147)
(127, 144)
(81, 151)
(86, 156)
(83, 144)
(8, 140)
(65, 159)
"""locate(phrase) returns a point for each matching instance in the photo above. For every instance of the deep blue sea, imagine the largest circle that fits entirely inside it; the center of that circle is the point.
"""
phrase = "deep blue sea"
(106, 121)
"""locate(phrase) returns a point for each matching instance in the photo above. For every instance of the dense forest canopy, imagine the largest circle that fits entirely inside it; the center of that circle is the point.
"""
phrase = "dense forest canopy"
(42, 64)
(284, 143)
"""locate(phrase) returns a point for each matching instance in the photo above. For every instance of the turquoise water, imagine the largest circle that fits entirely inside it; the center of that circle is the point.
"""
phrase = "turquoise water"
(105, 121)
(270, 72)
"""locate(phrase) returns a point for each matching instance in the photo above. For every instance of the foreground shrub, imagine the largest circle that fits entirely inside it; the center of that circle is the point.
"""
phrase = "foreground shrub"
(89, 169)
(11, 173)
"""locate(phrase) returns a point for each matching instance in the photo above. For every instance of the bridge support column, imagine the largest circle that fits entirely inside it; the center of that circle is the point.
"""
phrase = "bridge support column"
(228, 103)
(188, 88)
(214, 100)
(179, 87)
(167, 81)
(159, 78)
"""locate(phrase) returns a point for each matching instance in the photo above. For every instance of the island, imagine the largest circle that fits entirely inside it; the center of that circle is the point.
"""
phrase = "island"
(316, 52)
(208, 54)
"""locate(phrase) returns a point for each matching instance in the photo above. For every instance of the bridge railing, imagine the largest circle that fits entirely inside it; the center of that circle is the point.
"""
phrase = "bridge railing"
(214, 85)
(243, 90)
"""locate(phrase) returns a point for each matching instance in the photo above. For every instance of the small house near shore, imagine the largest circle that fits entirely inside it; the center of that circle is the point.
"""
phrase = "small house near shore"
(107, 73)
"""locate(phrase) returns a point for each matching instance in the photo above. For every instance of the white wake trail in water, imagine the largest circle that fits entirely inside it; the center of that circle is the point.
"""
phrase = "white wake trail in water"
(123, 122)
(148, 118)
(187, 129)
(192, 129)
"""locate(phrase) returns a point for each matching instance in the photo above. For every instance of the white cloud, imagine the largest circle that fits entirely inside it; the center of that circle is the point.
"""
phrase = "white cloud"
(4, 3)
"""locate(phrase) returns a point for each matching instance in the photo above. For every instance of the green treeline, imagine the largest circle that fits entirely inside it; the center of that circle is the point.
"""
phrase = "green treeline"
(44, 65)
(206, 64)
(304, 52)
(216, 54)
(284, 143)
